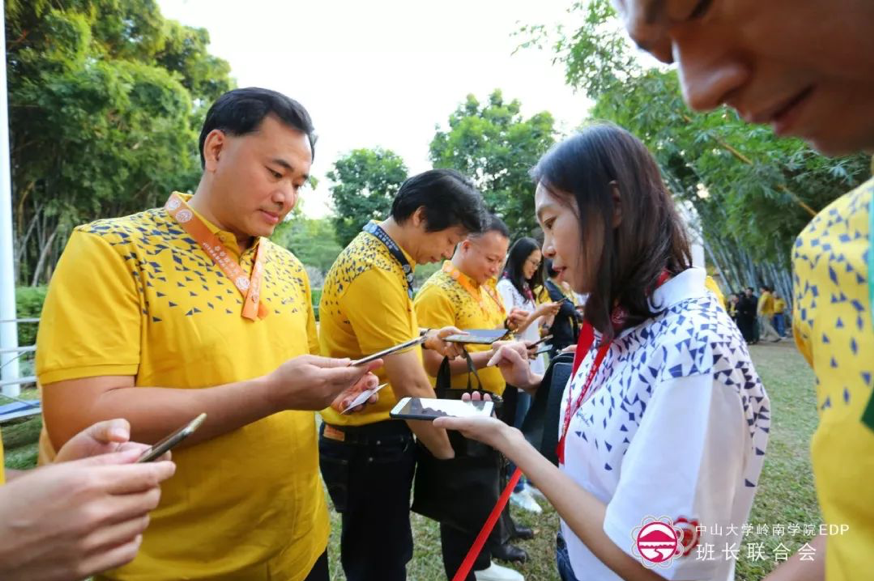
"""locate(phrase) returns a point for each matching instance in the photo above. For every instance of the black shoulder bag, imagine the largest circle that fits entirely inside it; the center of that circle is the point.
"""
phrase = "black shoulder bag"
(460, 492)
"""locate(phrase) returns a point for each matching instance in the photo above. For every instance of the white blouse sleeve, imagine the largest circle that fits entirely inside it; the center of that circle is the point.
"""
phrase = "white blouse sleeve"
(686, 460)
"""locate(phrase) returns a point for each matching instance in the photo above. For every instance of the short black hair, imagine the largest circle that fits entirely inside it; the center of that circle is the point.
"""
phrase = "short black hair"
(492, 223)
(449, 200)
(241, 111)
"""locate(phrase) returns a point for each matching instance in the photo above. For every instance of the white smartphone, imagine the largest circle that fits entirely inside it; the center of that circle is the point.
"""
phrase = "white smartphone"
(424, 408)
(362, 398)
(390, 350)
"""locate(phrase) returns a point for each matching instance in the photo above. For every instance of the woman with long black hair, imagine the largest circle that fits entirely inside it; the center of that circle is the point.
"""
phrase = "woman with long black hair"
(664, 422)
(519, 286)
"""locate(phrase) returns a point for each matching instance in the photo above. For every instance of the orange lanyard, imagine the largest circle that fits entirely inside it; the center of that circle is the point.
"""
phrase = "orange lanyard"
(249, 286)
(462, 280)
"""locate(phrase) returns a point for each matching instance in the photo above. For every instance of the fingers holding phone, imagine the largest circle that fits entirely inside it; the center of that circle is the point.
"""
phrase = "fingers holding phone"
(310, 382)
(435, 340)
(516, 318)
(359, 396)
(61, 538)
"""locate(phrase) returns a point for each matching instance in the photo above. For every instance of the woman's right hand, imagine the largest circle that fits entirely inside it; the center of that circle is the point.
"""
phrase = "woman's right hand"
(512, 359)
(488, 430)
(549, 309)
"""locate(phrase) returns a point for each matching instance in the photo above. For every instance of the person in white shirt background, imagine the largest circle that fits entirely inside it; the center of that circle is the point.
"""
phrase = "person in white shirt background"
(664, 415)
(522, 279)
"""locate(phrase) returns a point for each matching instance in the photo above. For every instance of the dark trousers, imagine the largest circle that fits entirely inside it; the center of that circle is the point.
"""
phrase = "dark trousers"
(747, 328)
(368, 471)
(320, 572)
(455, 544)
(780, 324)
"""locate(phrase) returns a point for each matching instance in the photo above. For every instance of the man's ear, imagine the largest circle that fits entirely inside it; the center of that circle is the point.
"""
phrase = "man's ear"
(213, 146)
(418, 217)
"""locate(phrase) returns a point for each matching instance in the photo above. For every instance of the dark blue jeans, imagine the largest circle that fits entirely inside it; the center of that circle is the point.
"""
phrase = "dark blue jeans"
(369, 474)
(563, 560)
(780, 324)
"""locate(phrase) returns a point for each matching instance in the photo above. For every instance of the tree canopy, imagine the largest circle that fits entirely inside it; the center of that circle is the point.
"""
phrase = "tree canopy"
(494, 145)
(365, 183)
(752, 192)
(106, 98)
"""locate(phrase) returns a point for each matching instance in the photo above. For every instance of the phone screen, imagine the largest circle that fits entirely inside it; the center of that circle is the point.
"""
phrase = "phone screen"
(159, 449)
(422, 408)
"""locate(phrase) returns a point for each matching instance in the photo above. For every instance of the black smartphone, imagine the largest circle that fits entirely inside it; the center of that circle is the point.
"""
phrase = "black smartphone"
(536, 343)
(171, 441)
(390, 350)
(426, 408)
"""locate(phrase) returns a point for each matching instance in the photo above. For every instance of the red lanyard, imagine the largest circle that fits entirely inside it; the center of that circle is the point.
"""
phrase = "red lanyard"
(249, 286)
(587, 338)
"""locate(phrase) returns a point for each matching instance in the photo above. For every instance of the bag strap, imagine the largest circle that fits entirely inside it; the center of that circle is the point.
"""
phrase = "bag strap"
(444, 376)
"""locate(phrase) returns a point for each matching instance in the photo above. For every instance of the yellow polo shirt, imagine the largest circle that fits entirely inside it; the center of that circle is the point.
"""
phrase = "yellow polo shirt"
(766, 304)
(832, 322)
(779, 306)
(714, 288)
(136, 296)
(443, 302)
(364, 309)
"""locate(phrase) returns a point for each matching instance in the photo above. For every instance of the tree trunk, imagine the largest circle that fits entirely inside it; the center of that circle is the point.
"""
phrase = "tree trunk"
(44, 254)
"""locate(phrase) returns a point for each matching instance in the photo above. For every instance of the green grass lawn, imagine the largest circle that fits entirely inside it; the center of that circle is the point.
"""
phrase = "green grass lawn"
(786, 493)
(20, 437)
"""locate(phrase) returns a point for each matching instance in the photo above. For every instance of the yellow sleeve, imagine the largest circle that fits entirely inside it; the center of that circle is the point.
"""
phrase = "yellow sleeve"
(714, 288)
(90, 322)
(379, 310)
(434, 310)
(312, 330)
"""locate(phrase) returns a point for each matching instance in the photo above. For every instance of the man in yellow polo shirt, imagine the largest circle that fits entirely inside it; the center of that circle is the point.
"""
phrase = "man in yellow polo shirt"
(175, 311)
(805, 67)
(765, 312)
(462, 294)
(779, 319)
(367, 460)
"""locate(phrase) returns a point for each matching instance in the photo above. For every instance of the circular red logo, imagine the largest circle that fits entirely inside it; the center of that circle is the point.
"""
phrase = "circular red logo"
(689, 534)
(657, 542)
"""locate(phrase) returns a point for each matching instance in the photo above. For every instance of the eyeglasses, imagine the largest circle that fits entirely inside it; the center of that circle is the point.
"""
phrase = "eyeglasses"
(533, 262)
